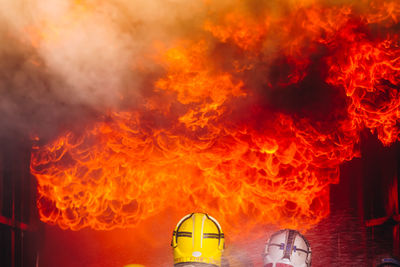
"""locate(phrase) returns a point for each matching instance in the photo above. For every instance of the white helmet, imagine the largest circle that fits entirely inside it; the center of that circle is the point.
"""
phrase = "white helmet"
(287, 248)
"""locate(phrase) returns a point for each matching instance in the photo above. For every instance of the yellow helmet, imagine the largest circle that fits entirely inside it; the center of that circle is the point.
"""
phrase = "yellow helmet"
(198, 238)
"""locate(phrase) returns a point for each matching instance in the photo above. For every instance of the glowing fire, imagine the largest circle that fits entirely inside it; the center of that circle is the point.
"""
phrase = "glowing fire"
(213, 136)
(370, 75)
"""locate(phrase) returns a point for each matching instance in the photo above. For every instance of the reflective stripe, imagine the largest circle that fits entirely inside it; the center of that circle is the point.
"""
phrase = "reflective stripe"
(186, 234)
(186, 260)
(193, 231)
(289, 244)
(211, 235)
(198, 230)
(202, 231)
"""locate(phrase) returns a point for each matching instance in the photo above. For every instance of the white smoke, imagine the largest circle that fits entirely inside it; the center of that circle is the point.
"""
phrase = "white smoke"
(64, 60)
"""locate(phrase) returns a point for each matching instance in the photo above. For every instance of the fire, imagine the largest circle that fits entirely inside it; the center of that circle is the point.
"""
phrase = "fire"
(217, 131)
(370, 76)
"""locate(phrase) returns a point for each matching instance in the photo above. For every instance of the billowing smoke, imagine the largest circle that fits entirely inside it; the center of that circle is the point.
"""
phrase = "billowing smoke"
(64, 63)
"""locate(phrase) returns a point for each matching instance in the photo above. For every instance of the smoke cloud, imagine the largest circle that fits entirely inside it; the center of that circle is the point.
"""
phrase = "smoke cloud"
(67, 62)
(64, 63)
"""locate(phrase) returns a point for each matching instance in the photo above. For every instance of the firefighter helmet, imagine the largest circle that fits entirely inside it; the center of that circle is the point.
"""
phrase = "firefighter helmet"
(287, 248)
(197, 239)
(389, 262)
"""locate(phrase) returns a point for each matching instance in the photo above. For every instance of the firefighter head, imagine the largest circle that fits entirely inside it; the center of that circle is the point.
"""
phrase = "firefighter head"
(287, 248)
(386, 262)
(197, 241)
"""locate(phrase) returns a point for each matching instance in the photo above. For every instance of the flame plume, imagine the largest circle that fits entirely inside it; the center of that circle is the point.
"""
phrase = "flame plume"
(249, 121)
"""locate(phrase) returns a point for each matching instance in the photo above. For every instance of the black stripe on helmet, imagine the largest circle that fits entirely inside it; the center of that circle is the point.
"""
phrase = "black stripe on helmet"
(179, 226)
(212, 235)
(187, 234)
(220, 234)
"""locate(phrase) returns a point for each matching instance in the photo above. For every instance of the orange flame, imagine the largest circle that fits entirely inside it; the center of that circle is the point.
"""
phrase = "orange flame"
(369, 72)
(209, 139)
